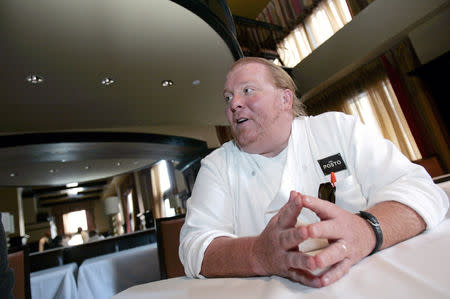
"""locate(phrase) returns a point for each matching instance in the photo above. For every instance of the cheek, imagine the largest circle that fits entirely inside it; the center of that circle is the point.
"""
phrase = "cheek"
(228, 114)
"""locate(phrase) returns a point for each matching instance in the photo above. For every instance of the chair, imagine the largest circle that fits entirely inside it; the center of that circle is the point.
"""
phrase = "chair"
(432, 165)
(168, 239)
(18, 260)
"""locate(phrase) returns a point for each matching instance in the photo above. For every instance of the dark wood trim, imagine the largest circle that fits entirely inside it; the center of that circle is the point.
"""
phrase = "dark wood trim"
(78, 137)
(442, 178)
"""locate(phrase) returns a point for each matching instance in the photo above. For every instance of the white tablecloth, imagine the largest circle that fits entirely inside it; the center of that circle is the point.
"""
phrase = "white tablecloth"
(445, 186)
(106, 275)
(416, 268)
(54, 283)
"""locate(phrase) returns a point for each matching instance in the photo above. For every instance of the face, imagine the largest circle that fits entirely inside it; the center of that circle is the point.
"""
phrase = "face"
(258, 112)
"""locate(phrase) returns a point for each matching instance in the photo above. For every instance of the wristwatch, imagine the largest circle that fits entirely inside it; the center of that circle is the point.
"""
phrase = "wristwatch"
(376, 229)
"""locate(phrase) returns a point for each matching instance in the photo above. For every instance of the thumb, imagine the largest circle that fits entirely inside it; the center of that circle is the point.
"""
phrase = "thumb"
(287, 216)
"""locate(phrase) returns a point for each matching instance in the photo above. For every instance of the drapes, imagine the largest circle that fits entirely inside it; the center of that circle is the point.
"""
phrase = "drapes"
(368, 94)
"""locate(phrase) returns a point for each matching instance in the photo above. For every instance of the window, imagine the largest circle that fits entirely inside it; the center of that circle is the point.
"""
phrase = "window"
(130, 212)
(326, 19)
(378, 107)
(165, 186)
(73, 220)
(163, 176)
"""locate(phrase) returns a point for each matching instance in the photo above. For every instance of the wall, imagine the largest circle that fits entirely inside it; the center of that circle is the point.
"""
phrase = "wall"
(8, 203)
(427, 44)
(101, 220)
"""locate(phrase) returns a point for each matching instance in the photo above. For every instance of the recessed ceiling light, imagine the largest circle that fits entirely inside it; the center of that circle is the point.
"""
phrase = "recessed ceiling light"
(86, 167)
(52, 170)
(35, 79)
(166, 83)
(118, 164)
(196, 82)
(107, 81)
(13, 174)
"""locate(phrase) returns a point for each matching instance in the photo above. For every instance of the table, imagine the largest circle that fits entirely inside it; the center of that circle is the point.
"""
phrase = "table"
(416, 268)
(106, 275)
(54, 283)
(445, 185)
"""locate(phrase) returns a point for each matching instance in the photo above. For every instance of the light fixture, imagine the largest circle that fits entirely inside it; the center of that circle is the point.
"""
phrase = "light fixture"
(52, 171)
(71, 185)
(35, 79)
(118, 164)
(86, 167)
(13, 174)
(74, 191)
(196, 82)
(166, 83)
(107, 81)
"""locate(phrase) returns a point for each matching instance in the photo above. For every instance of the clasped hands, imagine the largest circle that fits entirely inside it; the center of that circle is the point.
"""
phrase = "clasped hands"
(275, 250)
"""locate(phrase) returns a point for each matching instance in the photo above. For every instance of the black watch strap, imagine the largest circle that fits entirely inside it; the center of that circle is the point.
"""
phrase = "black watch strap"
(376, 228)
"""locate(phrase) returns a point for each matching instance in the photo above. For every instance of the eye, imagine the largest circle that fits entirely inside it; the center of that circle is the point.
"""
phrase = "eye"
(228, 97)
(248, 90)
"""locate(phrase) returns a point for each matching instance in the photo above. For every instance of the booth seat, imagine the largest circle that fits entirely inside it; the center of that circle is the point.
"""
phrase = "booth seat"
(104, 276)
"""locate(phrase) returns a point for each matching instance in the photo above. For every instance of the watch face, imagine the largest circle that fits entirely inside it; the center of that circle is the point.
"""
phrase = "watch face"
(326, 192)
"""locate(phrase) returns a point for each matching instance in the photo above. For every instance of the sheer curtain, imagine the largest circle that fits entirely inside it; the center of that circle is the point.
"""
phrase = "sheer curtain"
(325, 20)
(368, 94)
(378, 108)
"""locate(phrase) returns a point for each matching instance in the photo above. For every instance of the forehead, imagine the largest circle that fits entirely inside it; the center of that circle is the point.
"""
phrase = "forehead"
(248, 72)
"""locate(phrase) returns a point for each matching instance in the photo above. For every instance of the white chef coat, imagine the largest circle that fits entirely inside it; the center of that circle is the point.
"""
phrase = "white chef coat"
(232, 194)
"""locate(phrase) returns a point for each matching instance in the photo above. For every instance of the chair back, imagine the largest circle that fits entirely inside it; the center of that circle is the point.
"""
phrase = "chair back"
(432, 165)
(18, 260)
(168, 238)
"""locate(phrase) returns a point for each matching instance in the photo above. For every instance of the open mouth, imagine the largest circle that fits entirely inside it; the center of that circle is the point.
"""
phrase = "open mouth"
(241, 120)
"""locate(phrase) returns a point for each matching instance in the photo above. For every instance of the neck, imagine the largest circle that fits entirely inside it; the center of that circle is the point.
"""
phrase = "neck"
(282, 142)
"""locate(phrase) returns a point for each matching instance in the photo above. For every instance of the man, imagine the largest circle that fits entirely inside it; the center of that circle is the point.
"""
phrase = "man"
(254, 200)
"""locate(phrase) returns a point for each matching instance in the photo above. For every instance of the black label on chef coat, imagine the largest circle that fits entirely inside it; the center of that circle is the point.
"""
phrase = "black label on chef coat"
(332, 164)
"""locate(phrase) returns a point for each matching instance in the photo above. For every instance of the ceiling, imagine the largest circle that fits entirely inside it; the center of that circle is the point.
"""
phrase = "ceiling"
(247, 8)
(73, 46)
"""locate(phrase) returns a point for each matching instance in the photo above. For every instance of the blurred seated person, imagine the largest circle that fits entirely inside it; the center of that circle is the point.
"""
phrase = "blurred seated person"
(79, 237)
(59, 241)
(94, 236)
(44, 242)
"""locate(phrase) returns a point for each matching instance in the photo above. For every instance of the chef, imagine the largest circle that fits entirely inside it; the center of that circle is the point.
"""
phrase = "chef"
(254, 209)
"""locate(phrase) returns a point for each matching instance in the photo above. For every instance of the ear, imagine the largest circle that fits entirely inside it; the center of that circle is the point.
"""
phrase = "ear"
(287, 98)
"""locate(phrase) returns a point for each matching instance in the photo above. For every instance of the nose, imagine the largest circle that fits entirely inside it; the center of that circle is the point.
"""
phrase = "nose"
(236, 103)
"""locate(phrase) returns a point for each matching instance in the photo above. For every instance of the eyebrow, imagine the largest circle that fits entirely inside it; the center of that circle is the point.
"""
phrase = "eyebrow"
(239, 85)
